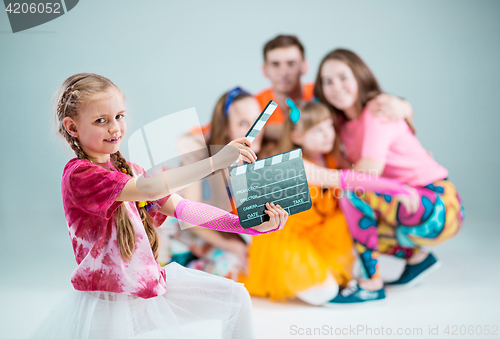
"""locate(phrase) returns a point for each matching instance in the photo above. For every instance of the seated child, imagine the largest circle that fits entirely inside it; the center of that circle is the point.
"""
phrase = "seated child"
(314, 253)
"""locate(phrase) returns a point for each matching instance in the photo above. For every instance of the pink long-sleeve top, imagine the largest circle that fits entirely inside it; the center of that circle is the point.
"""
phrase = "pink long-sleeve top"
(394, 145)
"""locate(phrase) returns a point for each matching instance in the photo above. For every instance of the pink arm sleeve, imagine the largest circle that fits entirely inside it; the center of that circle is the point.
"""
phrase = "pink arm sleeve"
(198, 214)
(351, 180)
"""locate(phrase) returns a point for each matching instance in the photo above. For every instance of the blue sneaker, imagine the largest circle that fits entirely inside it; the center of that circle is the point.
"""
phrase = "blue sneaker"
(354, 294)
(413, 274)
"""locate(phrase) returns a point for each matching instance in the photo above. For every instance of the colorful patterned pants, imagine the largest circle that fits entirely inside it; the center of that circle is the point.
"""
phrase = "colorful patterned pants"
(380, 224)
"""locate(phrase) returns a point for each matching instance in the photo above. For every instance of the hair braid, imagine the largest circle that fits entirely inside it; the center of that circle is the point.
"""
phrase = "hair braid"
(77, 148)
(125, 233)
(122, 165)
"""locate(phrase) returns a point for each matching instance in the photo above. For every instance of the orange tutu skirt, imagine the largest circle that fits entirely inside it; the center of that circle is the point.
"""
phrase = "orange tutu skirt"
(312, 245)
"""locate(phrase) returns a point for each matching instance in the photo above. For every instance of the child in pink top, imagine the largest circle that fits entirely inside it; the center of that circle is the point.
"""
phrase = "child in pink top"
(378, 222)
(112, 209)
(392, 144)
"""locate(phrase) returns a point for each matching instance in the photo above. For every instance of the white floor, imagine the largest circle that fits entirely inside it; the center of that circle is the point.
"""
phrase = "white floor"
(462, 297)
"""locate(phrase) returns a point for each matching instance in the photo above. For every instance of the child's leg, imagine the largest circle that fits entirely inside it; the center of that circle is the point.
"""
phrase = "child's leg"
(373, 221)
(196, 305)
(388, 242)
(439, 217)
(198, 296)
(442, 219)
(363, 225)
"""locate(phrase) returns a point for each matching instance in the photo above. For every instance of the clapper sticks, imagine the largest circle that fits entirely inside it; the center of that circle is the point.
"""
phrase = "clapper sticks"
(260, 122)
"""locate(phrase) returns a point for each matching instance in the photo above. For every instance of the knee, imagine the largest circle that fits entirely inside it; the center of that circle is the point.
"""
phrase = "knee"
(241, 294)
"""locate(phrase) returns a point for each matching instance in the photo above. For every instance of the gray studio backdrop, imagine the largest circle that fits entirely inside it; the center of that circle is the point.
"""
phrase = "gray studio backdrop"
(167, 56)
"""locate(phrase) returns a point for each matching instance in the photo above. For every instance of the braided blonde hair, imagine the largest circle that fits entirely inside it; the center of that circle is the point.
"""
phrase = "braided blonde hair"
(76, 91)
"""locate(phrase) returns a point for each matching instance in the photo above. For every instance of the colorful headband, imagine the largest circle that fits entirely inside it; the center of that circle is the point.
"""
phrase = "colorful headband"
(294, 111)
(231, 95)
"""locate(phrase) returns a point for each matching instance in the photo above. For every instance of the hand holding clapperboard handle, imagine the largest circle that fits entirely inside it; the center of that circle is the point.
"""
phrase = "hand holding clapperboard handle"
(228, 152)
(279, 179)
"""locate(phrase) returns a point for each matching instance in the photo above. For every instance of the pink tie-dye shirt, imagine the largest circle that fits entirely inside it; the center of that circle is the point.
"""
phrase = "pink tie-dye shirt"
(89, 194)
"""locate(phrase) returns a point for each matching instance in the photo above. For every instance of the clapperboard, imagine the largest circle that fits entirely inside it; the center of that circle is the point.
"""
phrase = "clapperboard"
(280, 179)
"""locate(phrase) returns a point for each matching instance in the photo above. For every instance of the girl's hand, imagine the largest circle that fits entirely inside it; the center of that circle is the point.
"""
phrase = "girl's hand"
(236, 150)
(246, 152)
(410, 202)
(390, 107)
(277, 218)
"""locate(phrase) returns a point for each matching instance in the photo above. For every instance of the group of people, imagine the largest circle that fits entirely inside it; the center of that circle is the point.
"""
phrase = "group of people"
(374, 189)
(346, 122)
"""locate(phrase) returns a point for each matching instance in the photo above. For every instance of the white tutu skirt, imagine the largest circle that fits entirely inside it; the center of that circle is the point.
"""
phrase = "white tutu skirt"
(196, 305)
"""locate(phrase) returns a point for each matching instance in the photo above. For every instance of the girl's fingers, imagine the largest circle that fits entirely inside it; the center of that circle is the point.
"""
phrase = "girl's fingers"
(251, 152)
(245, 140)
(406, 205)
(415, 203)
(271, 220)
(247, 144)
(246, 151)
(243, 143)
(413, 199)
(242, 140)
(280, 210)
(283, 216)
(247, 155)
(279, 216)
(274, 214)
(410, 203)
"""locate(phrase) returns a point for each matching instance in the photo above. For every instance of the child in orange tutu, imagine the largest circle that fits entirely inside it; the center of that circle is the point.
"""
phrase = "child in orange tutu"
(313, 255)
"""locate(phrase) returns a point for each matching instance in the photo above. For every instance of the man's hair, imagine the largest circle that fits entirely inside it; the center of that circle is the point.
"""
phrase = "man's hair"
(283, 41)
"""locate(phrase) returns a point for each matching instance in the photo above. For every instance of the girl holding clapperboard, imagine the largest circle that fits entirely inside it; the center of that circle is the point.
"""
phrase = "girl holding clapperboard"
(314, 254)
(112, 209)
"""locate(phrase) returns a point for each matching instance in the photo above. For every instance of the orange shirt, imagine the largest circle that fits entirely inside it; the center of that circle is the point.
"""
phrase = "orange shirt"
(205, 129)
(278, 117)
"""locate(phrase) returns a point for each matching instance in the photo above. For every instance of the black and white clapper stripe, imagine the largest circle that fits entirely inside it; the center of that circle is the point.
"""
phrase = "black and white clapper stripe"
(261, 120)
